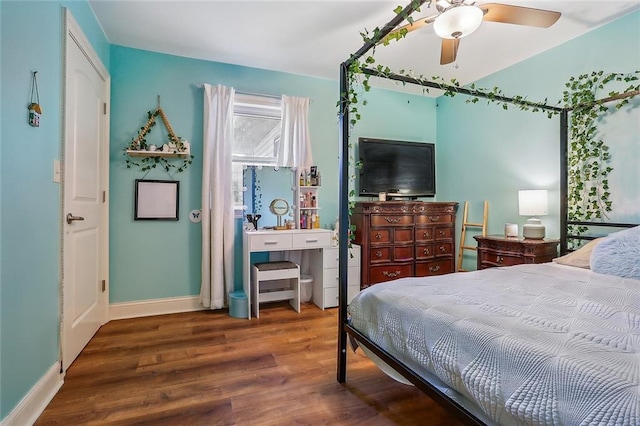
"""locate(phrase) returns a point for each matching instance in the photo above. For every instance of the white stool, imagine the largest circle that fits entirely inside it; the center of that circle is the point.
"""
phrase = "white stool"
(266, 288)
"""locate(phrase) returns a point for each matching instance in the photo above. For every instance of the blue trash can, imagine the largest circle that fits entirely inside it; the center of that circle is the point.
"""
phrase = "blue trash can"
(238, 304)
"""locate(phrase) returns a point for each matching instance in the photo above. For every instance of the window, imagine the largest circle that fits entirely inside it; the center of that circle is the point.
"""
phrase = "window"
(256, 137)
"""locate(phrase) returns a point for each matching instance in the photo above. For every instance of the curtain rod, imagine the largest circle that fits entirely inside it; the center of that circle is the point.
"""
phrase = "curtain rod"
(201, 85)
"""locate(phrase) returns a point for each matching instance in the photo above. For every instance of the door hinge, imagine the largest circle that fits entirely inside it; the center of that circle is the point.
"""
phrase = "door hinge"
(104, 285)
(104, 196)
(104, 108)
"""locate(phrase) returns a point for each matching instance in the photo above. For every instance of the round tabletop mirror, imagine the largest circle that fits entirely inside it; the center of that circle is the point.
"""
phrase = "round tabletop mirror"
(279, 207)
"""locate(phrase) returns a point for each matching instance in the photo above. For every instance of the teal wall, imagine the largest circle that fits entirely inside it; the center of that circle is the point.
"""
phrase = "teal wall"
(150, 260)
(32, 40)
(486, 153)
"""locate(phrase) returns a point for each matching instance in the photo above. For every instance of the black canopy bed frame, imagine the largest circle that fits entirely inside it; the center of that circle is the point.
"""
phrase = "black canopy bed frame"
(345, 330)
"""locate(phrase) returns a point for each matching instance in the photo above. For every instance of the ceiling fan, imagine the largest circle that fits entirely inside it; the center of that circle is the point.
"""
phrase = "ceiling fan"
(459, 18)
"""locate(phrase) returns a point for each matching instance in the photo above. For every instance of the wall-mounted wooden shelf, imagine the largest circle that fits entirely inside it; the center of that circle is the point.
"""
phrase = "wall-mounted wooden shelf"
(142, 153)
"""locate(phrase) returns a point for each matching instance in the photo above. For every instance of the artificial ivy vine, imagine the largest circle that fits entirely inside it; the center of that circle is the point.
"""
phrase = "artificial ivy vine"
(589, 157)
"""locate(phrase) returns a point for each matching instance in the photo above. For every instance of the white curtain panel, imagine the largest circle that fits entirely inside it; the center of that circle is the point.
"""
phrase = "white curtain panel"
(217, 197)
(295, 142)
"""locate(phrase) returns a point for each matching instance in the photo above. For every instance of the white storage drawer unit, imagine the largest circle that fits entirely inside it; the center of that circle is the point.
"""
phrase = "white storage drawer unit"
(325, 293)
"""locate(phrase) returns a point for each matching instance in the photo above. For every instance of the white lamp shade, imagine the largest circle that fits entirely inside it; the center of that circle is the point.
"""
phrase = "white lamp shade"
(458, 22)
(533, 202)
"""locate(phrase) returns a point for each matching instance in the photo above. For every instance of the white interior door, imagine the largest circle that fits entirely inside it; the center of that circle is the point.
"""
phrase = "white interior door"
(85, 213)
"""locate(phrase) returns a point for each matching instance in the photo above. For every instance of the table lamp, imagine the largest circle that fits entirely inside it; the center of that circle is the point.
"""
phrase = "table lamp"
(533, 203)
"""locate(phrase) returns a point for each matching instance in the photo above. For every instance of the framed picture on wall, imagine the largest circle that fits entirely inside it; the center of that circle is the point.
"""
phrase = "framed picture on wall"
(156, 200)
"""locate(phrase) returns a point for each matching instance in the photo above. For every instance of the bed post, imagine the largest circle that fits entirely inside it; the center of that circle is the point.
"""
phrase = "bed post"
(343, 249)
(564, 178)
(343, 217)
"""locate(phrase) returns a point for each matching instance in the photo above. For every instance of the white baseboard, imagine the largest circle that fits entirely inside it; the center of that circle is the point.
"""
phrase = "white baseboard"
(145, 308)
(34, 402)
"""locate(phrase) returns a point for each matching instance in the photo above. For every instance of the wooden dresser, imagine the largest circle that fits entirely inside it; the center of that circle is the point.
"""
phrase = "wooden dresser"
(498, 250)
(404, 239)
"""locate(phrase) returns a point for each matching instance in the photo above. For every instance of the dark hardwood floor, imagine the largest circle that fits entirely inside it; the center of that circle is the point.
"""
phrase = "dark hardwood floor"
(206, 368)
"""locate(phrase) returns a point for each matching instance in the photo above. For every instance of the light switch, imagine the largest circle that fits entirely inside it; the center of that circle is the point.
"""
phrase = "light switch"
(56, 171)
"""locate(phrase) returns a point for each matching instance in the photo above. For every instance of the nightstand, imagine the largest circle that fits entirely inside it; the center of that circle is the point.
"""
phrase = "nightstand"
(498, 250)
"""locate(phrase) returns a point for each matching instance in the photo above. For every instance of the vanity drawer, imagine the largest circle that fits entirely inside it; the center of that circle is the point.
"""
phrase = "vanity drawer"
(331, 299)
(330, 256)
(271, 241)
(305, 240)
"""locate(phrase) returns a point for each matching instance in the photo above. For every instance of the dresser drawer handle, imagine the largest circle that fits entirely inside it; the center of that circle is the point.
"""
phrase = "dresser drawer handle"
(270, 243)
(499, 259)
(443, 249)
(392, 219)
(379, 254)
(314, 240)
(434, 268)
(390, 274)
(378, 236)
(434, 218)
(442, 233)
(426, 251)
(425, 235)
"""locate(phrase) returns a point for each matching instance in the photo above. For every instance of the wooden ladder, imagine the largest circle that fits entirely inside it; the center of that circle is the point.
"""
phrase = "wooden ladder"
(465, 225)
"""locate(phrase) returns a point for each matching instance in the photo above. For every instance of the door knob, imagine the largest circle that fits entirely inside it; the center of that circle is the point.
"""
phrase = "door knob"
(71, 218)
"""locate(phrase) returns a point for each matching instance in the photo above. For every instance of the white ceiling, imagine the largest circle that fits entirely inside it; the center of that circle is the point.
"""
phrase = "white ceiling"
(312, 38)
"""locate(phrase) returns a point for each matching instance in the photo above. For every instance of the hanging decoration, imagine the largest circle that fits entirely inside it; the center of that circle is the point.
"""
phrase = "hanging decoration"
(151, 155)
(34, 106)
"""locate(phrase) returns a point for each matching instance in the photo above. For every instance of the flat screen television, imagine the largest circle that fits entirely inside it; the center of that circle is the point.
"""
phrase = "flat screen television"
(400, 168)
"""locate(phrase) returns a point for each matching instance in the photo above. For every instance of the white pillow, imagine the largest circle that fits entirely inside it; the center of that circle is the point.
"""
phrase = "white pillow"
(581, 257)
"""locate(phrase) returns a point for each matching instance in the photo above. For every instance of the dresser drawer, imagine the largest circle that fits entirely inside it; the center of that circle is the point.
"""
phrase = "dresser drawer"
(384, 273)
(424, 234)
(424, 251)
(442, 232)
(424, 219)
(489, 258)
(304, 240)
(380, 236)
(402, 253)
(271, 241)
(391, 220)
(442, 249)
(380, 254)
(390, 235)
(403, 235)
(436, 267)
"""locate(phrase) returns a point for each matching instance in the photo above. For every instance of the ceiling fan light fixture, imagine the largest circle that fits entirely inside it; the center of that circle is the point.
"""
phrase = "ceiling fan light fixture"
(458, 22)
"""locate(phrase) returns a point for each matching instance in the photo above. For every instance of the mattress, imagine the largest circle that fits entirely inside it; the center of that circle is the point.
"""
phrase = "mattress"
(531, 344)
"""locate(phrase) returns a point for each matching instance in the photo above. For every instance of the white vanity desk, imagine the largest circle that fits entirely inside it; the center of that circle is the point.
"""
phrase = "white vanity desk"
(323, 261)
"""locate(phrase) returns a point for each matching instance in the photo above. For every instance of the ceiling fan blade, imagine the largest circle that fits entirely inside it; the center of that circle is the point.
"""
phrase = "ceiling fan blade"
(449, 50)
(508, 14)
(415, 25)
